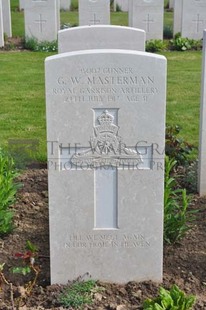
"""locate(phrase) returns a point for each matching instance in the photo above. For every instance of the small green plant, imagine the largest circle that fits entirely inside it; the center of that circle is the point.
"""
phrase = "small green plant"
(154, 46)
(44, 46)
(184, 44)
(8, 189)
(28, 260)
(177, 217)
(176, 147)
(78, 294)
(175, 299)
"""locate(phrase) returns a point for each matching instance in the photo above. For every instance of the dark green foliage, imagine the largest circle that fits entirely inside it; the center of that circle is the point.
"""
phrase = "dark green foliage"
(78, 294)
(74, 5)
(184, 44)
(177, 217)
(168, 33)
(154, 46)
(45, 46)
(176, 147)
(7, 192)
(175, 299)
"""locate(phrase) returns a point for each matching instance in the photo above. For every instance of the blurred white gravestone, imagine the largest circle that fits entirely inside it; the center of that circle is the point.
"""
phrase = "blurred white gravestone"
(193, 18)
(7, 17)
(94, 12)
(21, 4)
(42, 19)
(65, 5)
(202, 139)
(171, 4)
(177, 20)
(1, 26)
(105, 184)
(147, 15)
(123, 5)
(100, 36)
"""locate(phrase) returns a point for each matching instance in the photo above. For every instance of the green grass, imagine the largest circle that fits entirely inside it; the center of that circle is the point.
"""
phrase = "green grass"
(183, 92)
(22, 110)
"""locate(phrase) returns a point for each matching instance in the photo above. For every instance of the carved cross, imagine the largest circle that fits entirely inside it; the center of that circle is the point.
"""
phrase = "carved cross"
(148, 21)
(95, 21)
(106, 155)
(40, 21)
(198, 21)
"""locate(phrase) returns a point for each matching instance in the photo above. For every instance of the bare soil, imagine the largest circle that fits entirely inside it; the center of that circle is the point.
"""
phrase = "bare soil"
(184, 263)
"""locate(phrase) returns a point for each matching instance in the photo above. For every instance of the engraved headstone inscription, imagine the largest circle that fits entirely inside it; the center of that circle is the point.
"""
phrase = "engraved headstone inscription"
(100, 36)
(105, 132)
(147, 15)
(94, 12)
(202, 133)
(6, 9)
(193, 18)
(42, 19)
(1, 26)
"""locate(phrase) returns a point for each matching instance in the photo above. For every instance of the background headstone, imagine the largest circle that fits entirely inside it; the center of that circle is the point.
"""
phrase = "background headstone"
(202, 140)
(147, 15)
(193, 19)
(103, 36)
(65, 5)
(123, 5)
(42, 19)
(21, 4)
(6, 9)
(177, 20)
(94, 12)
(171, 4)
(105, 185)
(1, 26)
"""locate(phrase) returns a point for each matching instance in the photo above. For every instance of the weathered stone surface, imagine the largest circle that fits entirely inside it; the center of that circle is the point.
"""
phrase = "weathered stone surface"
(106, 129)
(102, 36)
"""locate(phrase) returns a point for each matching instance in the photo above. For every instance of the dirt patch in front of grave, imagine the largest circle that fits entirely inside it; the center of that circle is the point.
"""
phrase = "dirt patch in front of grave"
(184, 263)
(13, 44)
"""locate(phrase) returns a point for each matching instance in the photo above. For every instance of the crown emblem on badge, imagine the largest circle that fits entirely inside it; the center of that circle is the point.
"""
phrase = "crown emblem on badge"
(106, 123)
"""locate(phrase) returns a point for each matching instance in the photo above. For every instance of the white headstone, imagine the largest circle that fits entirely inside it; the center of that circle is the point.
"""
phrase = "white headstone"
(202, 140)
(147, 15)
(21, 4)
(123, 5)
(42, 18)
(65, 5)
(105, 119)
(7, 17)
(1, 26)
(94, 12)
(193, 19)
(171, 4)
(102, 36)
(177, 20)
